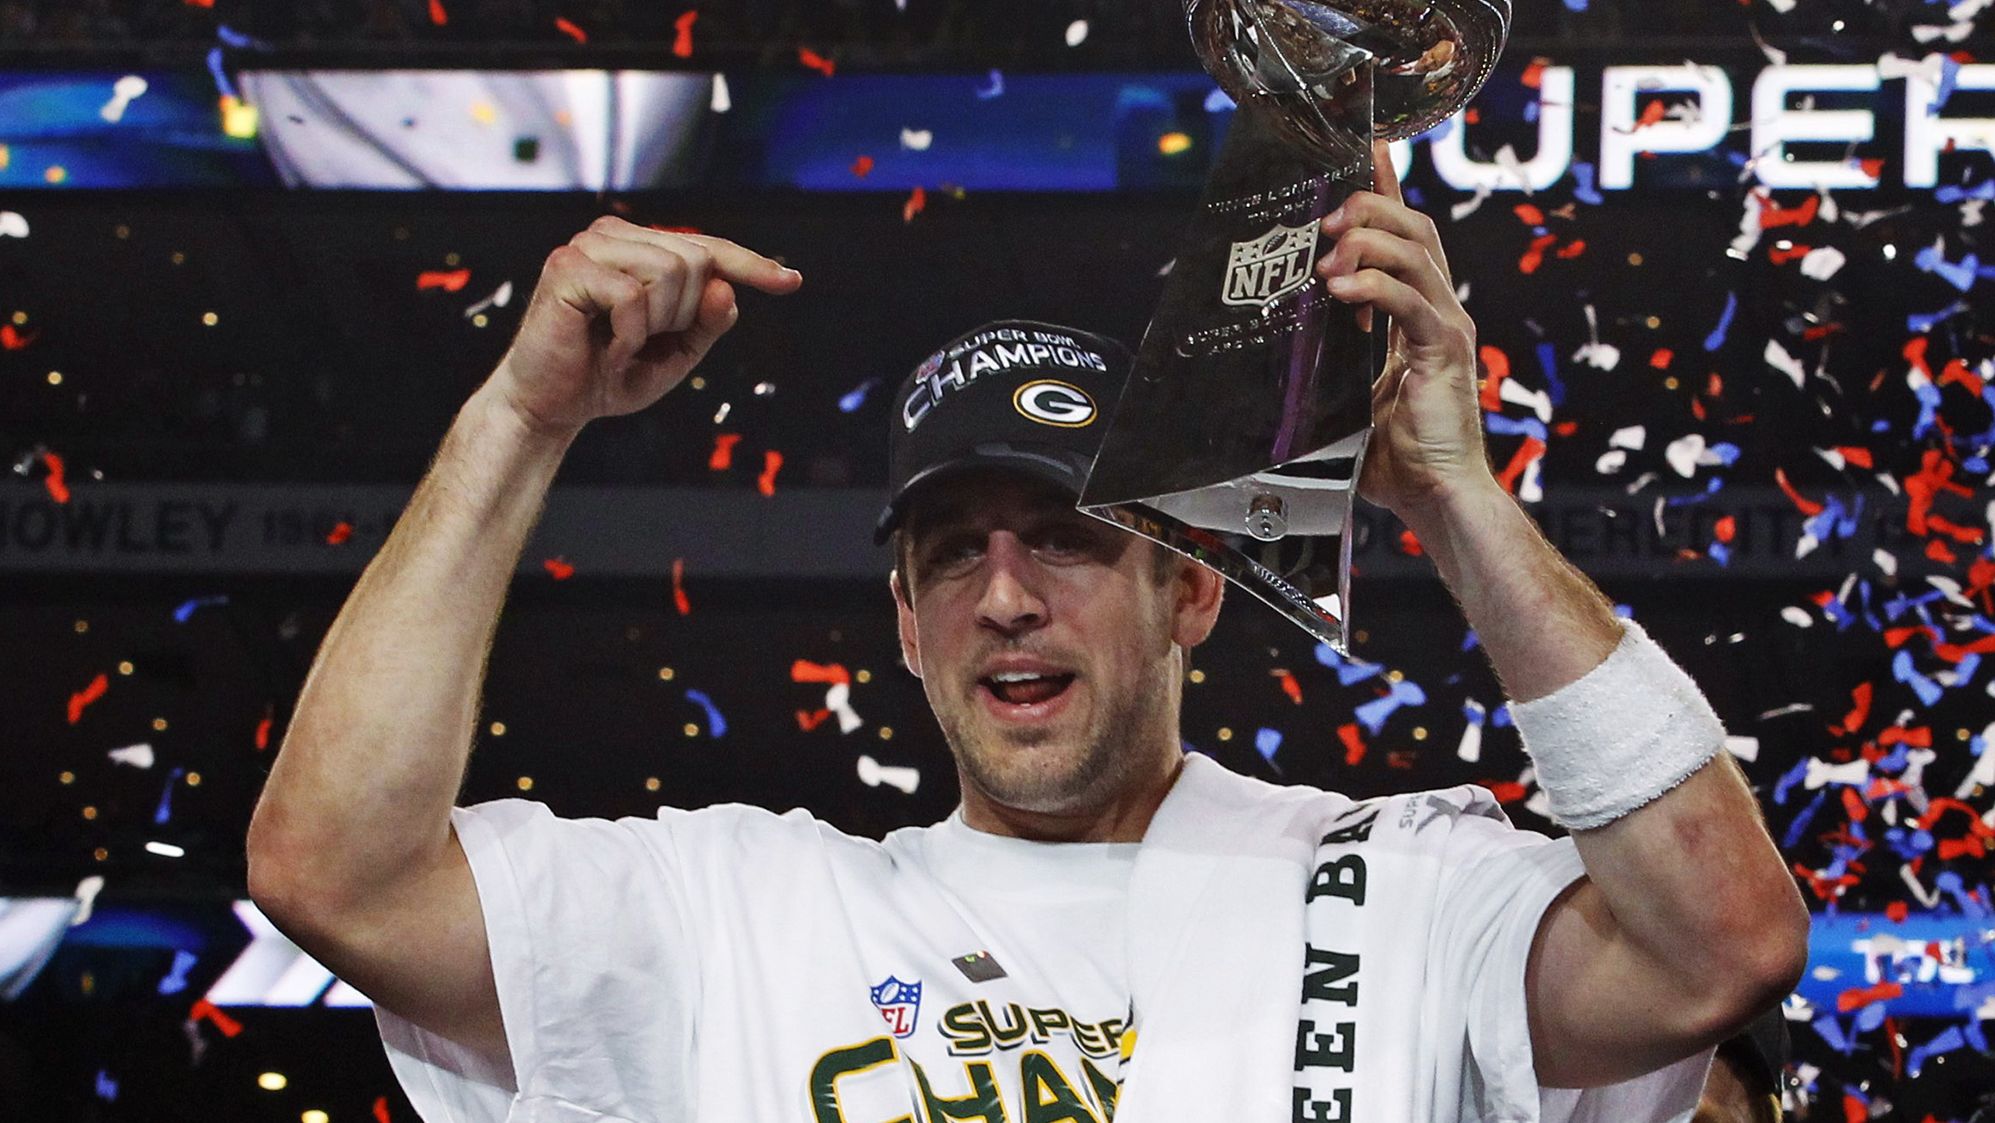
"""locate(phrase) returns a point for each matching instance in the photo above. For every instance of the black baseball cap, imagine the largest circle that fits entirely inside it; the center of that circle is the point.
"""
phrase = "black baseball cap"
(1018, 394)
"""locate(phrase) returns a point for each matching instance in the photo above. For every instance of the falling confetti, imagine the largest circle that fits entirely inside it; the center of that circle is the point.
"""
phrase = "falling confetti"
(81, 700)
(816, 61)
(917, 202)
(560, 569)
(448, 280)
(679, 599)
(682, 28)
(772, 463)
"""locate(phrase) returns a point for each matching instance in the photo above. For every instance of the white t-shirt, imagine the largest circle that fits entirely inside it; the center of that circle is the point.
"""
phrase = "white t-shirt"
(734, 964)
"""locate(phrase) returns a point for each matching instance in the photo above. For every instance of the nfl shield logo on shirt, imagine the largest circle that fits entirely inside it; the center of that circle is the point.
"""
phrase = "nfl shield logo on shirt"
(1271, 266)
(899, 1003)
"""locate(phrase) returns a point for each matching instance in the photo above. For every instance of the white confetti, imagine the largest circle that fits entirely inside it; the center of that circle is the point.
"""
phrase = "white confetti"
(1886, 562)
(1631, 437)
(838, 700)
(1778, 358)
(165, 850)
(1821, 772)
(1514, 392)
(917, 140)
(501, 297)
(722, 102)
(1822, 262)
(86, 892)
(1077, 33)
(1611, 461)
(128, 88)
(1471, 747)
(1745, 748)
(872, 774)
(138, 756)
(1685, 453)
(1604, 356)
(1462, 210)
(13, 224)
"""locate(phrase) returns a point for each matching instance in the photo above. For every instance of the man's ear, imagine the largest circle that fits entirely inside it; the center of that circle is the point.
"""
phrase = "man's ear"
(910, 641)
(1199, 593)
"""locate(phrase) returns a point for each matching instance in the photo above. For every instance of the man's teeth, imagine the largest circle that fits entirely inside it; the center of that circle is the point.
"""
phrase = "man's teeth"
(1019, 676)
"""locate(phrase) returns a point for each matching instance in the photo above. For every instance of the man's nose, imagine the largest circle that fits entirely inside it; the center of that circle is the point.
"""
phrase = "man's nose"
(1010, 601)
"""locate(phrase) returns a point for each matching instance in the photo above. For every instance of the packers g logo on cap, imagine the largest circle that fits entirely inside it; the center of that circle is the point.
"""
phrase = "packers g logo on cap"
(1052, 402)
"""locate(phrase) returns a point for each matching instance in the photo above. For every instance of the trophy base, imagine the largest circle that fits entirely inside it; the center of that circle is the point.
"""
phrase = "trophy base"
(1283, 534)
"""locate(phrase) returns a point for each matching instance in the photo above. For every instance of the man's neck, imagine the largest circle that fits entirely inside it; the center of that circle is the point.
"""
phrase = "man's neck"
(1125, 818)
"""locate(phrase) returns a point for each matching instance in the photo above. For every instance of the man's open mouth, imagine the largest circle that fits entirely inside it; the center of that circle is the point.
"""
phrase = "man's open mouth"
(1025, 689)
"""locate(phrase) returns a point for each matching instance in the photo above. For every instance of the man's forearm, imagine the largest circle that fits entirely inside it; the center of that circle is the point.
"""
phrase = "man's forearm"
(376, 748)
(1542, 622)
(1687, 875)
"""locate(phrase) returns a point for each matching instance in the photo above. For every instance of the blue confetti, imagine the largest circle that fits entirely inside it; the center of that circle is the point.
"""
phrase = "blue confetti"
(1717, 337)
(107, 1088)
(1575, 5)
(856, 397)
(220, 74)
(1788, 781)
(188, 608)
(1548, 361)
(1952, 194)
(1218, 102)
(1587, 191)
(1961, 275)
(1348, 670)
(1920, 323)
(1949, 78)
(716, 724)
(1831, 1031)
(176, 979)
(1947, 1041)
(1901, 668)
(165, 809)
(1516, 426)
(1266, 742)
(1720, 553)
(1870, 1017)
(1374, 714)
(995, 89)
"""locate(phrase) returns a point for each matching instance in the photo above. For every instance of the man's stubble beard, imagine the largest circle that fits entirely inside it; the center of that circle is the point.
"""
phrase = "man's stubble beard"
(1082, 779)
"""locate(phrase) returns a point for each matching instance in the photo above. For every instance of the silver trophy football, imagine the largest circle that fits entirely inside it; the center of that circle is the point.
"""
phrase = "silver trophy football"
(1242, 429)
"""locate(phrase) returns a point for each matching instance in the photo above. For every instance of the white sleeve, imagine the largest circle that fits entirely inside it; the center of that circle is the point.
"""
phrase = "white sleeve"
(1500, 880)
(597, 977)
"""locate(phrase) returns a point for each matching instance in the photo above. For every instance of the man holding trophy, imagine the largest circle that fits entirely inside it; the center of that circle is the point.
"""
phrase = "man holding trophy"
(1106, 928)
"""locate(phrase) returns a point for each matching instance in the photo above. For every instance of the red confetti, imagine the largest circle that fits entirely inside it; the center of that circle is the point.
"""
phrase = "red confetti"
(1951, 848)
(381, 1109)
(263, 729)
(916, 203)
(862, 167)
(1957, 370)
(1661, 359)
(1897, 911)
(1473, 114)
(81, 700)
(1290, 686)
(1914, 352)
(816, 61)
(570, 30)
(1531, 215)
(1506, 791)
(339, 534)
(1530, 450)
(1792, 253)
(682, 42)
(803, 670)
(437, 15)
(1354, 743)
(808, 721)
(1934, 476)
(206, 1010)
(679, 599)
(1854, 1109)
(1534, 73)
(1652, 114)
(1498, 365)
(1853, 804)
(561, 570)
(1859, 709)
(199, 3)
(1572, 249)
(1409, 544)
(1535, 256)
(723, 451)
(447, 280)
(1566, 428)
(57, 489)
(772, 462)
(1726, 528)
(1855, 455)
(1856, 998)
(14, 340)
(1772, 214)
(1805, 505)
(1873, 166)
(1919, 736)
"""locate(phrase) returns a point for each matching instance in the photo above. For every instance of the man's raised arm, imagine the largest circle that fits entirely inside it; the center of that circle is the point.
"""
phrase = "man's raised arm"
(351, 852)
(1687, 924)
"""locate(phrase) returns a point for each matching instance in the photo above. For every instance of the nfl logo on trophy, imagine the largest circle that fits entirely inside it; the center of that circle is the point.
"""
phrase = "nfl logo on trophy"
(899, 1003)
(1265, 269)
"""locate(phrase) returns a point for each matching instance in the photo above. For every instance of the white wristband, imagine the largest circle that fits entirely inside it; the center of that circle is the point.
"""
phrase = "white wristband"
(1627, 731)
